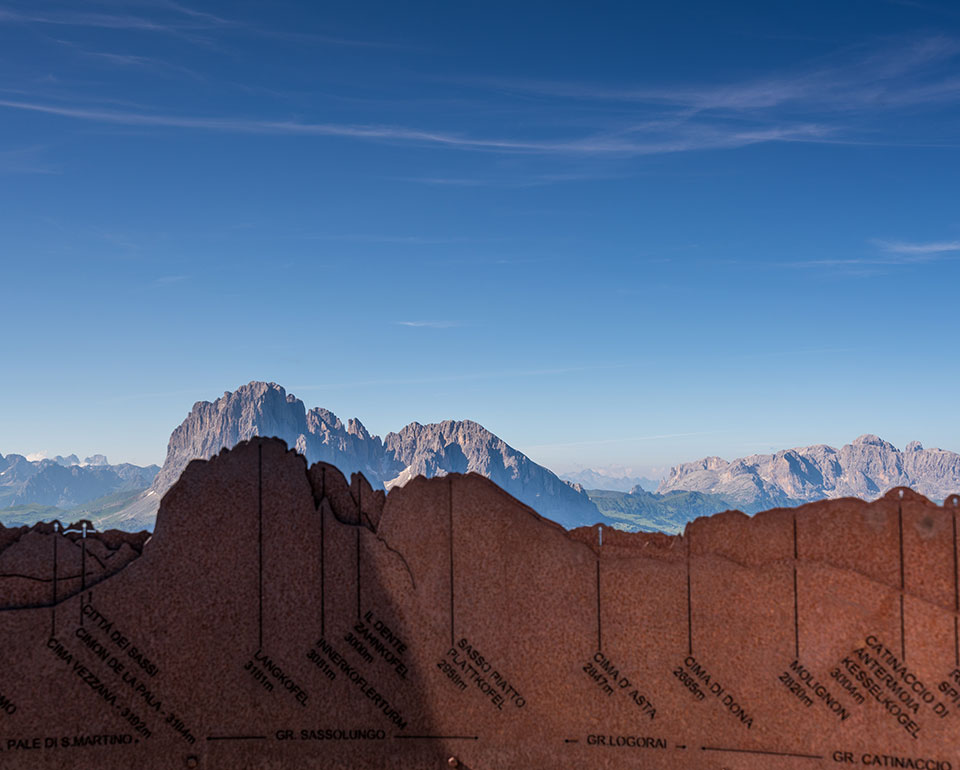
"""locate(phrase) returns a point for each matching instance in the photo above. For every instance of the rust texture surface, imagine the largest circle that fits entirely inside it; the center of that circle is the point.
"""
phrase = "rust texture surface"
(285, 617)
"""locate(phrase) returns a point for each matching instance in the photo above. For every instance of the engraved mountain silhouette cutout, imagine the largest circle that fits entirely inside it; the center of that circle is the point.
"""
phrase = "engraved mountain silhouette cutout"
(281, 615)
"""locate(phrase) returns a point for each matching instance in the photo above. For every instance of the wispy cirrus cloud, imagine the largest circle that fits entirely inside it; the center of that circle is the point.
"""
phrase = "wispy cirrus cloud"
(699, 138)
(463, 377)
(625, 440)
(905, 73)
(920, 249)
(187, 11)
(169, 18)
(26, 160)
(98, 20)
(843, 98)
(893, 254)
(167, 280)
(162, 16)
(531, 180)
(131, 60)
(833, 101)
(415, 240)
(429, 324)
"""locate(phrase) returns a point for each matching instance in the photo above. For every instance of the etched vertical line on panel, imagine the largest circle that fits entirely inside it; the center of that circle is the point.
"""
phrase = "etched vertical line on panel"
(599, 613)
(53, 606)
(359, 613)
(260, 540)
(450, 553)
(689, 605)
(323, 561)
(796, 594)
(956, 597)
(903, 585)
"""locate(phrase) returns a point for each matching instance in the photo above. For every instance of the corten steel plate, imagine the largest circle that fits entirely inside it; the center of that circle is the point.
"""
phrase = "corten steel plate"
(279, 618)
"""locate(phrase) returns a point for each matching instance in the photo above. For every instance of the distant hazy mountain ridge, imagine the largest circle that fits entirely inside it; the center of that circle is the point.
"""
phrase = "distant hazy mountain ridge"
(592, 478)
(65, 481)
(265, 409)
(865, 468)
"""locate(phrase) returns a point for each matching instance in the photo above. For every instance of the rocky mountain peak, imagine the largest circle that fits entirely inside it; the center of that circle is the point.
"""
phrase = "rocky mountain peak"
(451, 446)
(355, 428)
(869, 439)
(257, 408)
(324, 417)
(865, 468)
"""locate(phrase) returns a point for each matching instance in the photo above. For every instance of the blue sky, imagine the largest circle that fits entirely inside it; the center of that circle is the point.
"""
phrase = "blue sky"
(629, 234)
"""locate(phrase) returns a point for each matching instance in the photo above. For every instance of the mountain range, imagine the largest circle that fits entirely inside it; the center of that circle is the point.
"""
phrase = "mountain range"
(65, 482)
(598, 478)
(452, 446)
(118, 496)
(865, 468)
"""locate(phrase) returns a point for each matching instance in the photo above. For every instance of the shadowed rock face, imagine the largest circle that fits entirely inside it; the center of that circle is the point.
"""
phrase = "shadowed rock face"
(467, 447)
(266, 409)
(865, 469)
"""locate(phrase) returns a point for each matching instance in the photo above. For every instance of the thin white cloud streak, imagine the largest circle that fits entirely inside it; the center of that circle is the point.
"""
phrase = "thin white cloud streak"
(429, 324)
(97, 20)
(539, 180)
(186, 28)
(25, 160)
(697, 139)
(417, 240)
(899, 253)
(146, 62)
(461, 377)
(925, 7)
(862, 262)
(621, 440)
(191, 394)
(131, 60)
(448, 181)
(191, 20)
(884, 78)
(937, 247)
(179, 8)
